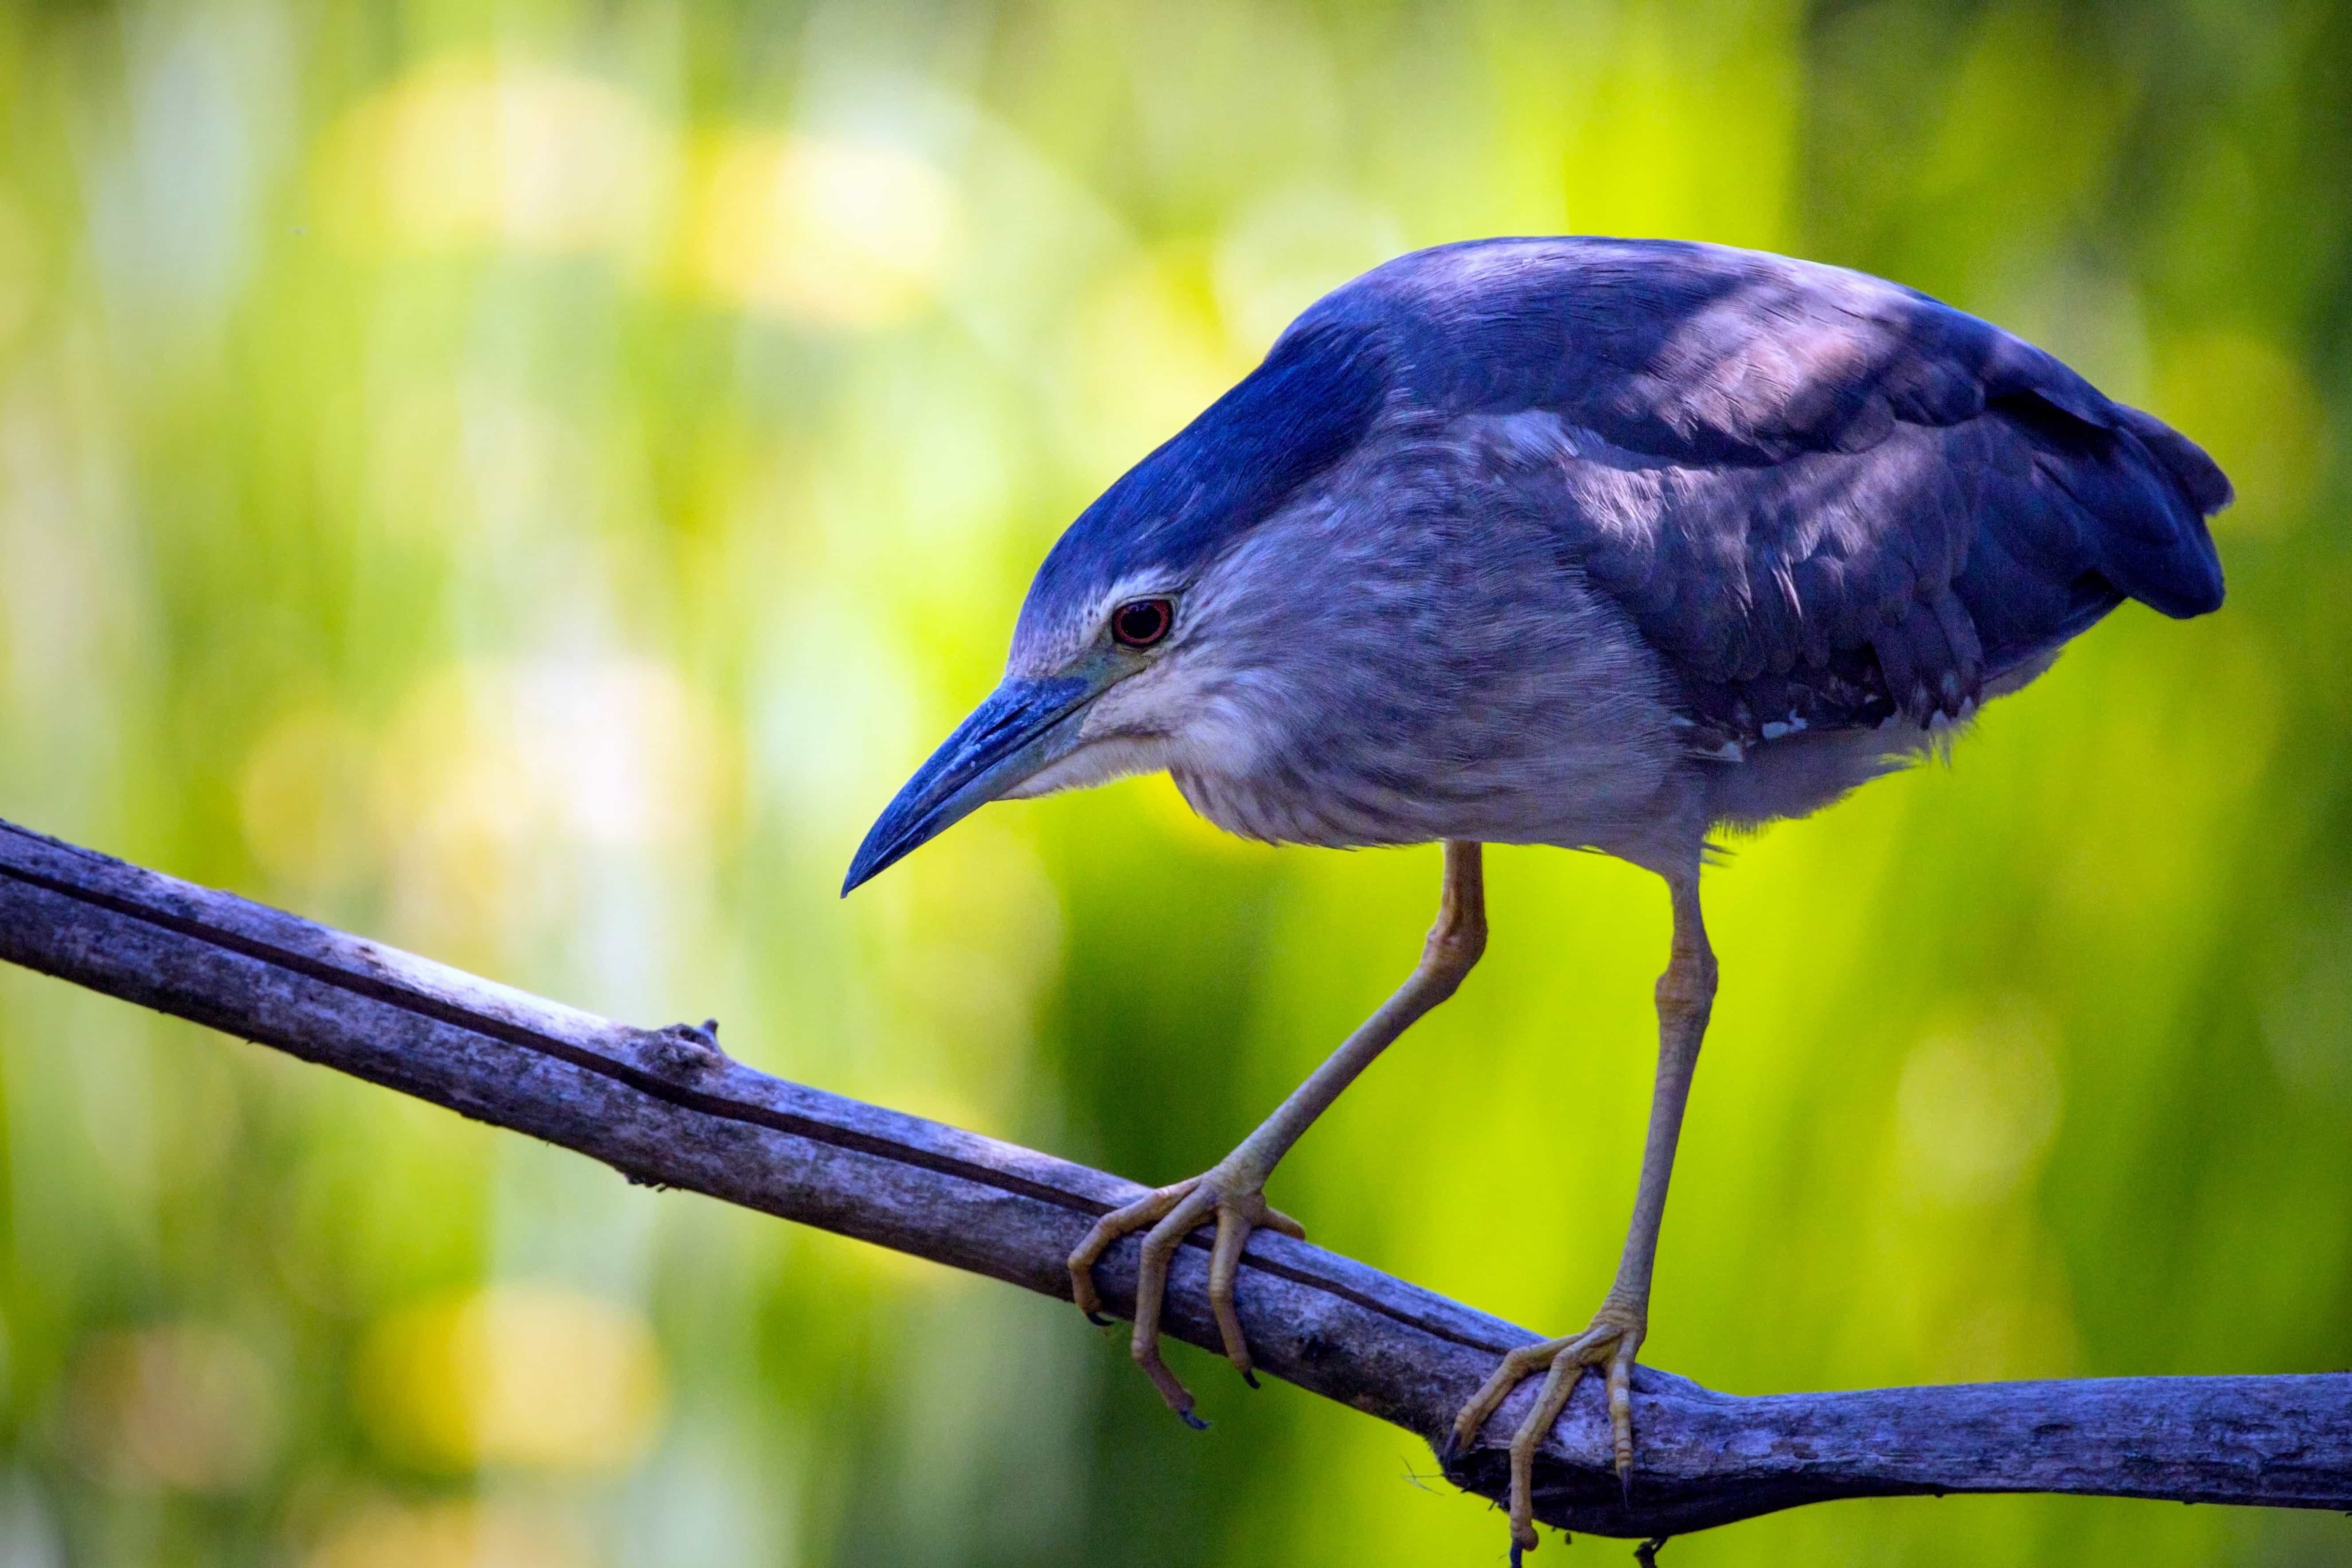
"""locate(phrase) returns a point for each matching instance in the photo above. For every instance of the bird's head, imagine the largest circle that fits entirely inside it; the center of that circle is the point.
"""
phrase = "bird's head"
(1119, 626)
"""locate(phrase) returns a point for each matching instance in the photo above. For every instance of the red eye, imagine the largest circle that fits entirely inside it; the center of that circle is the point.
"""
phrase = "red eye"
(1140, 622)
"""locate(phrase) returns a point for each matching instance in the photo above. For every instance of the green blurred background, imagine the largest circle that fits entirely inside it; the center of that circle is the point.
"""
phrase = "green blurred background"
(528, 481)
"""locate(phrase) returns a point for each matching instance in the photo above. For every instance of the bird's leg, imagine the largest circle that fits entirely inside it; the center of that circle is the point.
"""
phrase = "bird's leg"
(1686, 994)
(1233, 1191)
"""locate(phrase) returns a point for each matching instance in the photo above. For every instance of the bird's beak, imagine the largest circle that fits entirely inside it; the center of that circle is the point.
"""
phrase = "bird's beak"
(1024, 727)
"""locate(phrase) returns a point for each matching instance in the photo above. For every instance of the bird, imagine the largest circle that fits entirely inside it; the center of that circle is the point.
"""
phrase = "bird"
(1609, 544)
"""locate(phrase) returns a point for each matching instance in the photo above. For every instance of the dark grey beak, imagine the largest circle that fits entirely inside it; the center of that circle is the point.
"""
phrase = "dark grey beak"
(1024, 726)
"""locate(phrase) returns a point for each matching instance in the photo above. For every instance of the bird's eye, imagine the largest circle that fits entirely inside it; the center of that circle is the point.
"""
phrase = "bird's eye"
(1140, 622)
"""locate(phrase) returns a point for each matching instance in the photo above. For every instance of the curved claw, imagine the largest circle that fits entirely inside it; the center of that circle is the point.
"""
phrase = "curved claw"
(1160, 1245)
(1609, 1346)
(1239, 1206)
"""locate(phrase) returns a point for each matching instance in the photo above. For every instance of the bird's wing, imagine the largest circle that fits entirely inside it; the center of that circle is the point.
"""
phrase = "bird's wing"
(1808, 479)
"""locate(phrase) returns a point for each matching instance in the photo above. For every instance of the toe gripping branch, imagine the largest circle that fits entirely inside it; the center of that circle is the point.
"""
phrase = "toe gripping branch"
(1169, 1217)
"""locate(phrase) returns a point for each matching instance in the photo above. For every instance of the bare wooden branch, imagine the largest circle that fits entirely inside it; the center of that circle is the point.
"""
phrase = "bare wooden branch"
(667, 1106)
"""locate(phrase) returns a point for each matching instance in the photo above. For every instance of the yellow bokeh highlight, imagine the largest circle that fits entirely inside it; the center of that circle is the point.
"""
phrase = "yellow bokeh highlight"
(489, 153)
(2255, 409)
(515, 1375)
(819, 230)
(303, 798)
(614, 751)
(457, 1533)
(1976, 1107)
(489, 771)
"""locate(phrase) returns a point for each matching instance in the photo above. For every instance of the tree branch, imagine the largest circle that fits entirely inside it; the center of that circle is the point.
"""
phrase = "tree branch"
(668, 1107)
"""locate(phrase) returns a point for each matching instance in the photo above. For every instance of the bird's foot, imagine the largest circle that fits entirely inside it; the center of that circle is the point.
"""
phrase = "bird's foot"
(1234, 1192)
(1609, 1343)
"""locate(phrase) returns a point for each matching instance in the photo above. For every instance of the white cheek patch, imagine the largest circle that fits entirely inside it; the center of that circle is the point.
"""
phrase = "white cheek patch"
(1231, 732)
(1094, 762)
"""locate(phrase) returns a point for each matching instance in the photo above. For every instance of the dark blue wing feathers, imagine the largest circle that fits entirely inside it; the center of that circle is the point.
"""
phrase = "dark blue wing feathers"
(1781, 465)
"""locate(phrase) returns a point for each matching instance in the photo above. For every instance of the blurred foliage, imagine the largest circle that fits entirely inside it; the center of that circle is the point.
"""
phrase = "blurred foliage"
(527, 480)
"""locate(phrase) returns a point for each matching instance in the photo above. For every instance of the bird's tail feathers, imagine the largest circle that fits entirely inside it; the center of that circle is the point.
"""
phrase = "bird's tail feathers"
(2140, 492)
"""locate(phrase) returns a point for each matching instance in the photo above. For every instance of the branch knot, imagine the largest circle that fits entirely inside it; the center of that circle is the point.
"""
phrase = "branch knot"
(684, 1051)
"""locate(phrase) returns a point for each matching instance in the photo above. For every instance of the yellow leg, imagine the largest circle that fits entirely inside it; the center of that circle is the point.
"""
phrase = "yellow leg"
(1233, 1191)
(1685, 997)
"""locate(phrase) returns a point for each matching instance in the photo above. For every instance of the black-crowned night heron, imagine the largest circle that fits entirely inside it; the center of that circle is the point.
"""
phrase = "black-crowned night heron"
(1593, 542)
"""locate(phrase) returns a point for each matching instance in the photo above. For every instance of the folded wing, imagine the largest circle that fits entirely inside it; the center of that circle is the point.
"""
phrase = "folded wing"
(1824, 498)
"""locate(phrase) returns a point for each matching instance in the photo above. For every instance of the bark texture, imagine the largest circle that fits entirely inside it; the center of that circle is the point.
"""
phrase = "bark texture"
(667, 1106)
